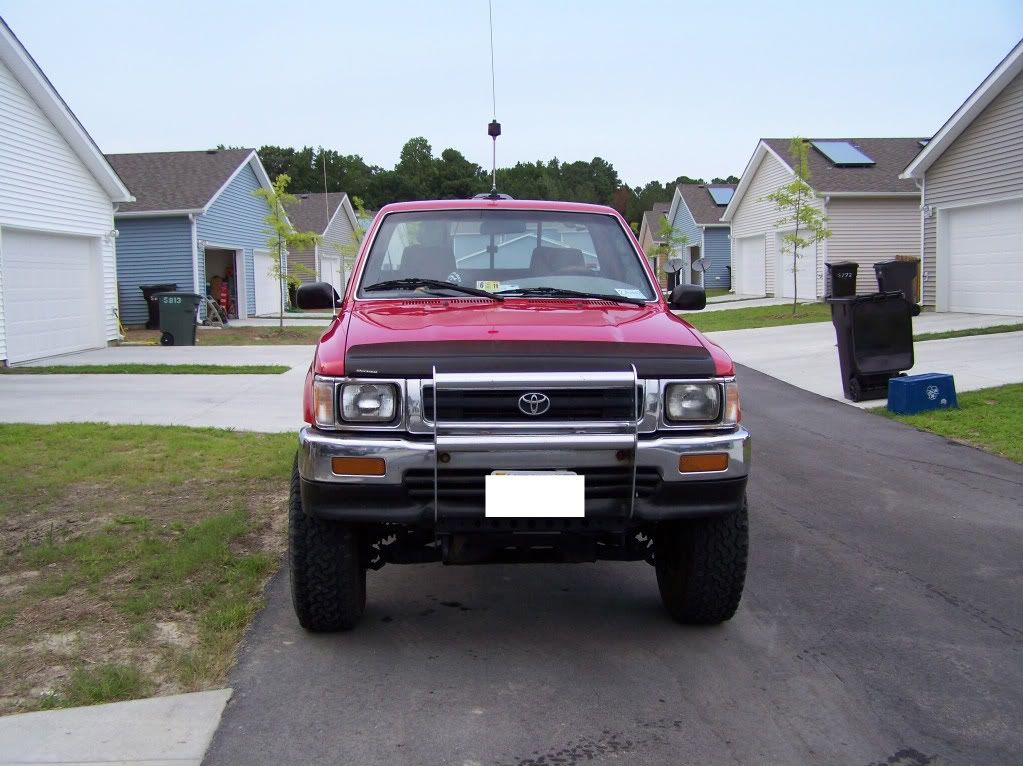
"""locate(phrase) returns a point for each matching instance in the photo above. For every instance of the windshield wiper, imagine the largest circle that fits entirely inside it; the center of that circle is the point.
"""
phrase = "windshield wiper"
(559, 292)
(411, 283)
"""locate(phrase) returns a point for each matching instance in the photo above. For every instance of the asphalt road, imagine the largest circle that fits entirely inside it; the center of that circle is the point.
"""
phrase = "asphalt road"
(882, 625)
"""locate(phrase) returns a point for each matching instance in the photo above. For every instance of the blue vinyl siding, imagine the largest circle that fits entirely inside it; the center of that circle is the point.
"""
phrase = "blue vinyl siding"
(717, 249)
(151, 251)
(683, 223)
(236, 220)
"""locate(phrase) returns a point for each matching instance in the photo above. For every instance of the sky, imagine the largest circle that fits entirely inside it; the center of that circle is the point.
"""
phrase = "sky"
(659, 89)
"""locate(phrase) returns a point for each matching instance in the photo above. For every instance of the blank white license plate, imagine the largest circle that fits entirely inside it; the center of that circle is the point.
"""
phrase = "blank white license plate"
(535, 495)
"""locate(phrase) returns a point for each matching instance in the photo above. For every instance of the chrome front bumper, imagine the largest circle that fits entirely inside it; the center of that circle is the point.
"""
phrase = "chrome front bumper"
(526, 452)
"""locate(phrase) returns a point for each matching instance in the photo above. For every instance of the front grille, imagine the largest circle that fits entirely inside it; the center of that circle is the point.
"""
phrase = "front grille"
(566, 405)
(467, 485)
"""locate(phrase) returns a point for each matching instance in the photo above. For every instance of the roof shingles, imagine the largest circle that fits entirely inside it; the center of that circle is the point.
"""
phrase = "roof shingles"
(312, 213)
(890, 156)
(164, 181)
(705, 211)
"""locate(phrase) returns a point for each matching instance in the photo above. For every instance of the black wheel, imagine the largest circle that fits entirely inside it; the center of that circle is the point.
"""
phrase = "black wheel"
(701, 567)
(166, 339)
(855, 390)
(328, 581)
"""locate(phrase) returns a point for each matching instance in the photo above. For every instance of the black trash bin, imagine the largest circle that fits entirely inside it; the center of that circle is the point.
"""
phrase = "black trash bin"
(149, 294)
(898, 276)
(875, 342)
(842, 278)
(178, 318)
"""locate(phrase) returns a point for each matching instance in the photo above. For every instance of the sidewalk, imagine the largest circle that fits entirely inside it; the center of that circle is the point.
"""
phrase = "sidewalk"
(159, 731)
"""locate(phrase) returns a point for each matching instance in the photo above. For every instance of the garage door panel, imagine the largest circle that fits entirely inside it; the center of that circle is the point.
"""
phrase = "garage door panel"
(985, 258)
(267, 289)
(53, 295)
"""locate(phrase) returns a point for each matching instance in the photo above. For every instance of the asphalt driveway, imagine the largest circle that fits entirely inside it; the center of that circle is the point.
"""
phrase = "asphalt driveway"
(882, 624)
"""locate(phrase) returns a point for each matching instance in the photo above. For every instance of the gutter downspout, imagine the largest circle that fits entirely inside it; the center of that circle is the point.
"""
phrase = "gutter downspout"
(195, 265)
(922, 186)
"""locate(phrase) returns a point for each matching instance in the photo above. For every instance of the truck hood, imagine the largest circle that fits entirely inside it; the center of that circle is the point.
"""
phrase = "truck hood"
(409, 338)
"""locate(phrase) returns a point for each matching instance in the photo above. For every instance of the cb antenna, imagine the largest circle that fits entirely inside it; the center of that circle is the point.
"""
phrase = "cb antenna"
(494, 128)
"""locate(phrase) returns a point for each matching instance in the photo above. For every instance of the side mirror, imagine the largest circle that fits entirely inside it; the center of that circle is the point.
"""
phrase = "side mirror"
(688, 298)
(318, 295)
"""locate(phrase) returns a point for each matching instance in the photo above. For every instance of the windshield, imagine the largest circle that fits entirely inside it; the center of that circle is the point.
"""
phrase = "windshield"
(505, 251)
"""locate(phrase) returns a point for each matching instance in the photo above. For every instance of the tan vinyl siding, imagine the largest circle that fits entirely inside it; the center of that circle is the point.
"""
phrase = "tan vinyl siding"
(305, 258)
(868, 231)
(984, 162)
(756, 215)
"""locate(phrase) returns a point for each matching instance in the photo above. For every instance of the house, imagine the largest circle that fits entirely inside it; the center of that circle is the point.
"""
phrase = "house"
(333, 218)
(696, 213)
(971, 177)
(650, 235)
(195, 218)
(57, 198)
(873, 214)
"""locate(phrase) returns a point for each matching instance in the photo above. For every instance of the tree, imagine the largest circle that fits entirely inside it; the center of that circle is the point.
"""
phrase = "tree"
(671, 240)
(729, 180)
(281, 235)
(795, 201)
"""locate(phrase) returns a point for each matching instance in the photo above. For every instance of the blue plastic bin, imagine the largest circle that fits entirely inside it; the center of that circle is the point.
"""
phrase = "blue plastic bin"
(911, 394)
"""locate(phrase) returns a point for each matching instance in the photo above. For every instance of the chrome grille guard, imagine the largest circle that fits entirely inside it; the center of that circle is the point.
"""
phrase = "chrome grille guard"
(620, 435)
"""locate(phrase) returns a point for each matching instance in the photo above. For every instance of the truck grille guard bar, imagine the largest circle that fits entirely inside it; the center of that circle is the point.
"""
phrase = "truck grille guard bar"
(620, 435)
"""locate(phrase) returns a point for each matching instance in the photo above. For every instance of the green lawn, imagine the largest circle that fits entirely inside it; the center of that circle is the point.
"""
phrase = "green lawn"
(239, 336)
(148, 369)
(993, 330)
(758, 316)
(132, 557)
(991, 419)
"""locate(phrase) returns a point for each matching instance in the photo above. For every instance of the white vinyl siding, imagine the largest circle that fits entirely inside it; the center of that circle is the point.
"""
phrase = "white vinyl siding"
(340, 233)
(46, 187)
(306, 258)
(756, 215)
(868, 231)
(984, 163)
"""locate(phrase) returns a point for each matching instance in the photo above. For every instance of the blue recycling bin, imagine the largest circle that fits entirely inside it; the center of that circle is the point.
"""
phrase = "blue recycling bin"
(911, 394)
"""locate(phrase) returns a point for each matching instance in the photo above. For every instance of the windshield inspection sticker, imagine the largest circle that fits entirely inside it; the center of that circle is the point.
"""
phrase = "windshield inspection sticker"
(487, 284)
(629, 293)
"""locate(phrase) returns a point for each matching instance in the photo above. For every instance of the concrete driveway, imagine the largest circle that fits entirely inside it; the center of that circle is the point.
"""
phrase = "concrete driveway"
(805, 355)
(881, 624)
(271, 403)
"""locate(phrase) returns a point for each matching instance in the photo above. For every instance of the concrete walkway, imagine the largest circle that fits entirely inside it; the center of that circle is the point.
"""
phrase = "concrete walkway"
(717, 304)
(162, 731)
(806, 356)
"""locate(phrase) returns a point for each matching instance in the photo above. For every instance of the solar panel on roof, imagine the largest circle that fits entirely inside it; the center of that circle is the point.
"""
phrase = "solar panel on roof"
(842, 153)
(722, 195)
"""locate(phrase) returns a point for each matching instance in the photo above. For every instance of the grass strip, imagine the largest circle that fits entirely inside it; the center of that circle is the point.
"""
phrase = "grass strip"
(148, 369)
(133, 557)
(990, 419)
(240, 336)
(758, 316)
(993, 330)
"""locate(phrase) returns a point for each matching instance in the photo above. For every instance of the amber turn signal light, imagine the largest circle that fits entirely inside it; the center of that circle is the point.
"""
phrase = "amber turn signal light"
(711, 461)
(358, 466)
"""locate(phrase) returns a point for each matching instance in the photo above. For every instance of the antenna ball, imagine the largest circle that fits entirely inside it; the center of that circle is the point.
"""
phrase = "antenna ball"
(494, 129)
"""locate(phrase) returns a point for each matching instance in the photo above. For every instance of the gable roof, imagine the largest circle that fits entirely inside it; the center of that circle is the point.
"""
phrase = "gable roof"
(702, 206)
(661, 207)
(1006, 71)
(311, 212)
(181, 182)
(882, 179)
(25, 69)
(652, 223)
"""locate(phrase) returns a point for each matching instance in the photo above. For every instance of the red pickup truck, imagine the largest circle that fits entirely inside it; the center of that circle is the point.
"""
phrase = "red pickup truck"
(504, 381)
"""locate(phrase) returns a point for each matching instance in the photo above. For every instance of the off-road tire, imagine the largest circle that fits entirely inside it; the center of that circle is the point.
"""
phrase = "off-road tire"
(328, 581)
(701, 567)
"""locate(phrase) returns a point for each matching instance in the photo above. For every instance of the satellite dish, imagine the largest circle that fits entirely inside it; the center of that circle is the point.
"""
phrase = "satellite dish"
(673, 265)
(700, 265)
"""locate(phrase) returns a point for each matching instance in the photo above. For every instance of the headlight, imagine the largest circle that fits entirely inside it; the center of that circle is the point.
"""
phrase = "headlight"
(685, 402)
(368, 402)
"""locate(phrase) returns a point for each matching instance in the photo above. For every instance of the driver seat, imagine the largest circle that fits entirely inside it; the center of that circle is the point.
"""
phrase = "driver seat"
(550, 260)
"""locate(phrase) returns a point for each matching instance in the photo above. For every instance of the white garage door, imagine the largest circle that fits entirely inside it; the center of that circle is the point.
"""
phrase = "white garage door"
(267, 288)
(805, 268)
(749, 262)
(330, 271)
(53, 294)
(985, 258)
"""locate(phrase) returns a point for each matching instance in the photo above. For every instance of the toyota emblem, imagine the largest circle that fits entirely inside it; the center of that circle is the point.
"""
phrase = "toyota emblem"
(534, 403)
